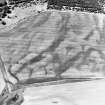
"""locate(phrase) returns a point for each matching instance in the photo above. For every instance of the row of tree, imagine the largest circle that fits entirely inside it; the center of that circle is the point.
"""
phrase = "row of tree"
(74, 3)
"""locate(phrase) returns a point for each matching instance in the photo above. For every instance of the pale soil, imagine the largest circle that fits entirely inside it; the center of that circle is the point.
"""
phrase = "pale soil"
(83, 93)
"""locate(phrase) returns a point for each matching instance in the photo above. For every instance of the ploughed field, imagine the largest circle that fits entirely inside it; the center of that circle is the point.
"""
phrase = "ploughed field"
(53, 44)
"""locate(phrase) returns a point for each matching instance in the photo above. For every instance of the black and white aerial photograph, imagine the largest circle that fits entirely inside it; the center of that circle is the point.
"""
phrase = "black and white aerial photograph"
(52, 52)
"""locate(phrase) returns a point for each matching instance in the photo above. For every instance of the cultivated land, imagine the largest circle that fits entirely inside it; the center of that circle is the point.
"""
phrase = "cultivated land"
(53, 43)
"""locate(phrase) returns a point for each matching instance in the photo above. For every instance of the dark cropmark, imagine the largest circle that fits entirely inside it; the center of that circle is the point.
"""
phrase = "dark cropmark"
(33, 60)
(69, 63)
